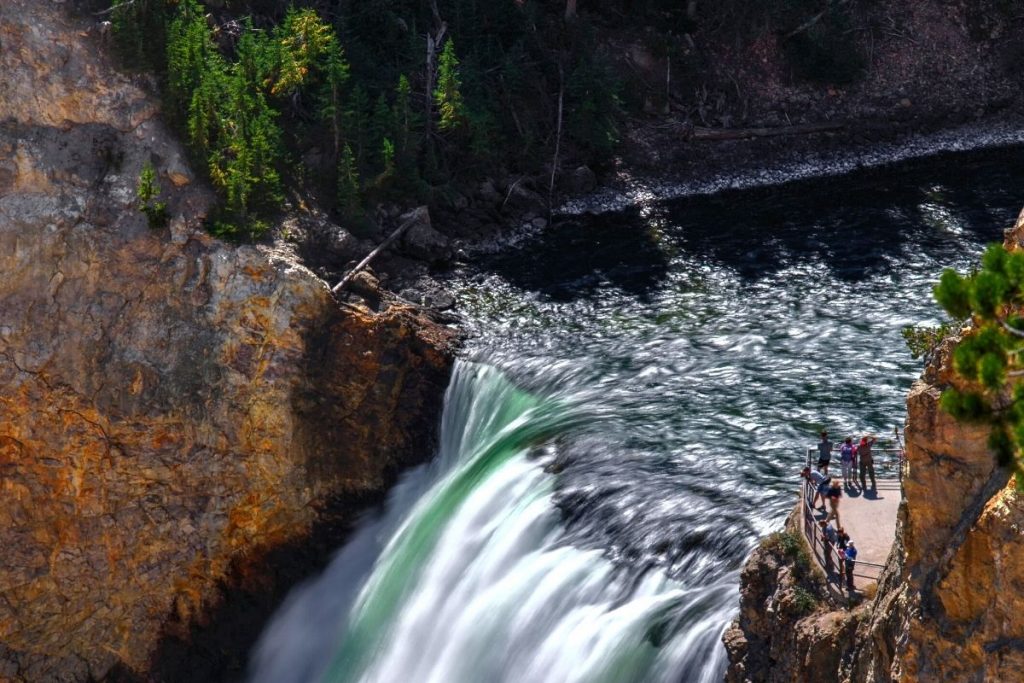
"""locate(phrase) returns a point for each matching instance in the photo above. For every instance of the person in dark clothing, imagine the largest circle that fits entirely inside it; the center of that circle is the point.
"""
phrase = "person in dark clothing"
(867, 461)
(835, 492)
(828, 540)
(850, 560)
(824, 453)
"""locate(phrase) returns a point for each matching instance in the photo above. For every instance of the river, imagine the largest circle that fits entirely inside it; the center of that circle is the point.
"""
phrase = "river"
(628, 421)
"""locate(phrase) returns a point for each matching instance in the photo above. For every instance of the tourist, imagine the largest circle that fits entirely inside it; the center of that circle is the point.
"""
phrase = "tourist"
(866, 460)
(850, 557)
(842, 538)
(819, 483)
(824, 453)
(828, 541)
(835, 492)
(847, 453)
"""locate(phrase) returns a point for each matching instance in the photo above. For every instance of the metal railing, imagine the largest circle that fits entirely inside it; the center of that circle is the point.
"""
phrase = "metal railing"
(820, 546)
(889, 463)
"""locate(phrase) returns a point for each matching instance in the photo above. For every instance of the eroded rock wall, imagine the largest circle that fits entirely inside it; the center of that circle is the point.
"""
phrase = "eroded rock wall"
(172, 407)
(948, 606)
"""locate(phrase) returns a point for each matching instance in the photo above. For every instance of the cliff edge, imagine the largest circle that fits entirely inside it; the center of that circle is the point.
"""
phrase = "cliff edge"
(172, 408)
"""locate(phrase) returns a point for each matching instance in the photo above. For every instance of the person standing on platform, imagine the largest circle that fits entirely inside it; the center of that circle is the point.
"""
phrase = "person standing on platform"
(867, 461)
(850, 560)
(829, 539)
(847, 453)
(835, 492)
(824, 453)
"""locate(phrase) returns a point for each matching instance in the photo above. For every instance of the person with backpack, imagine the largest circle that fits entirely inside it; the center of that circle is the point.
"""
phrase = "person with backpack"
(847, 459)
(850, 560)
(866, 461)
(824, 453)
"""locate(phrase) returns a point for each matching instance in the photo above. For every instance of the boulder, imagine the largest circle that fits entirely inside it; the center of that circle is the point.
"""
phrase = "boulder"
(524, 200)
(421, 240)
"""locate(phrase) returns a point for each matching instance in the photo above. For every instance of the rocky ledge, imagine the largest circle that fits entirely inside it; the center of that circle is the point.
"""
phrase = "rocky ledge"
(948, 604)
(174, 410)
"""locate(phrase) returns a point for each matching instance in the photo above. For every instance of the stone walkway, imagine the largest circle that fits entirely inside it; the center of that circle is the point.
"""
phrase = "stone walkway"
(870, 520)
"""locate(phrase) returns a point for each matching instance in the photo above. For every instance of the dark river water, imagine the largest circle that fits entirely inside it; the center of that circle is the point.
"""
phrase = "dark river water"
(630, 419)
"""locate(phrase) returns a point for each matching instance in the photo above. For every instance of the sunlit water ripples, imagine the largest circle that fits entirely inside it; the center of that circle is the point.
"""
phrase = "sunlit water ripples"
(667, 365)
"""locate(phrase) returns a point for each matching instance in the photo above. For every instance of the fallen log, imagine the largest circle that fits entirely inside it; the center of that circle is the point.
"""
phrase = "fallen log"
(744, 133)
(373, 254)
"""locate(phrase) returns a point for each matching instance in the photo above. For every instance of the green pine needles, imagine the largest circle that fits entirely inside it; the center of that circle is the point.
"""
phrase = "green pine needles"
(147, 191)
(346, 108)
(448, 93)
(989, 356)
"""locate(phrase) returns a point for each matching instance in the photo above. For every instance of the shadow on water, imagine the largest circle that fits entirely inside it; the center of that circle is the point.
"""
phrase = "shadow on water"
(851, 225)
(587, 254)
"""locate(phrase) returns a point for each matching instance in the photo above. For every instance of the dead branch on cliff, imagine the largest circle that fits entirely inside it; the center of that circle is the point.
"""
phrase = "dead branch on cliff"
(336, 289)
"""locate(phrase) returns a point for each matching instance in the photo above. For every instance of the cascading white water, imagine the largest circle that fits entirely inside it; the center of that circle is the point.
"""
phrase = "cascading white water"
(468, 576)
(676, 354)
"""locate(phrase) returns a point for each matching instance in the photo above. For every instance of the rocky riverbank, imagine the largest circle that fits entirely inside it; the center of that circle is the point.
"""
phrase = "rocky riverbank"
(946, 607)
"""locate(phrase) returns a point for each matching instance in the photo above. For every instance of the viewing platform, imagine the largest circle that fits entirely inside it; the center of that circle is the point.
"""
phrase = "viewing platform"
(867, 515)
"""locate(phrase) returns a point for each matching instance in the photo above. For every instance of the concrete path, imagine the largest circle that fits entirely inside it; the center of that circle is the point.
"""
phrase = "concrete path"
(869, 517)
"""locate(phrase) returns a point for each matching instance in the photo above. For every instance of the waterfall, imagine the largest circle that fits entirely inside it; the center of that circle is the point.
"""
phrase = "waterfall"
(466, 574)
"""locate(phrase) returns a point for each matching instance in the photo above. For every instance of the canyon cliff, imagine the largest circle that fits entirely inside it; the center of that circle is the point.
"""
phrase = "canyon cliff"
(947, 606)
(173, 408)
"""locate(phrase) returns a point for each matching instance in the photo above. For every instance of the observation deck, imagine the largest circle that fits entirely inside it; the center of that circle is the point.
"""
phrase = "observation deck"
(867, 515)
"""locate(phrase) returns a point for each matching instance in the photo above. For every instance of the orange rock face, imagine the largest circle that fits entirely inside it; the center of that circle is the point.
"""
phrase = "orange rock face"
(171, 407)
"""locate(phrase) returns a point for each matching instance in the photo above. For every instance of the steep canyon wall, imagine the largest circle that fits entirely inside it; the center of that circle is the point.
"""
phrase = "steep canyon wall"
(172, 408)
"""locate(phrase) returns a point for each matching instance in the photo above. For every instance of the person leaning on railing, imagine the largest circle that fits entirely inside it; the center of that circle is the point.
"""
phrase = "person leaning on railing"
(819, 484)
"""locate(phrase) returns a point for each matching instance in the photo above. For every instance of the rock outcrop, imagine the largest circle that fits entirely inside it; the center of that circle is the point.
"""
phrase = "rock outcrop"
(948, 605)
(172, 408)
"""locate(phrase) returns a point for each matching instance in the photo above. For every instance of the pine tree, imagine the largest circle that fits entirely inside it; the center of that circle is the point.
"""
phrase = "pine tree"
(148, 192)
(245, 165)
(348, 184)
(387, 157)
(190, 54)
(403, 114)
(140, 28)
(356, 121)
(331, 110)
(381, 125)
(448, 93)
(991, 352)
(306, 49)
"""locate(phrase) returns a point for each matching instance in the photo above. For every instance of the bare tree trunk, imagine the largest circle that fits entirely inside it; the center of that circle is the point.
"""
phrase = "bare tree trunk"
(558, 134)
(372, 255)
(570, 10)
(433, 45)
(691, 10)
